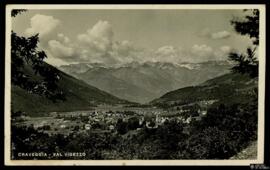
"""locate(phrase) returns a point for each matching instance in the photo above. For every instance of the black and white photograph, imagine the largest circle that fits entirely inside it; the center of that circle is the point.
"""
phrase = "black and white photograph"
(134, 84)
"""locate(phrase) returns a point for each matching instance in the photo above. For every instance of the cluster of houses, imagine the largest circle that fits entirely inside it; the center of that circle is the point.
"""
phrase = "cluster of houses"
(107, 120)
(160, 119)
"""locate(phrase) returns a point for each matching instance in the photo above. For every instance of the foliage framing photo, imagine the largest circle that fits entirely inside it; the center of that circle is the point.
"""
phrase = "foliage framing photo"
(24, 56)
(247, 63)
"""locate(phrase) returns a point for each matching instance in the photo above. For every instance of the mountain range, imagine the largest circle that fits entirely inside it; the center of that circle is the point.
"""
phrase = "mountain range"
(143, 82)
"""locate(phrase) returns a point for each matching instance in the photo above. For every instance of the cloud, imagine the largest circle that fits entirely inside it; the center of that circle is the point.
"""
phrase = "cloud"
(42, 24)
(196, 53)
(202, 50)
(222, 52)
(63, 38)
(221, 35)
(55, 61)
(216, 35)
(99, 38)
(225, 49)
(60, 50)
(126, 52)
(124, 48)
(167, 54)
(97, 44)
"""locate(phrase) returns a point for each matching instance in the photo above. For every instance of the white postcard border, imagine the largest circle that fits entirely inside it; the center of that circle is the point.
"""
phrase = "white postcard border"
(262, 51)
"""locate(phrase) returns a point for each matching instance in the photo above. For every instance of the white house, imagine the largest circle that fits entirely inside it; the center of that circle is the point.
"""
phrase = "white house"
(62, 126)
(87, 126)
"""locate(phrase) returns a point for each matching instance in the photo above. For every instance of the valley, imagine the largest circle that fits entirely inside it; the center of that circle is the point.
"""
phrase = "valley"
(143, 82)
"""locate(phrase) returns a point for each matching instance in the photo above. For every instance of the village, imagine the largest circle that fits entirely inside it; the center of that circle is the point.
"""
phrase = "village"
(106, 120)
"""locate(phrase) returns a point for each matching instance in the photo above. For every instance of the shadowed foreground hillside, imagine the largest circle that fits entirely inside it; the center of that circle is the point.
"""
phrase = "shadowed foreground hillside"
(79, 96)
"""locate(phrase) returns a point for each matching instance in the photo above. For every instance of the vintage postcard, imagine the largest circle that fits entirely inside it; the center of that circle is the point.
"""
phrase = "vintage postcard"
(134, 84)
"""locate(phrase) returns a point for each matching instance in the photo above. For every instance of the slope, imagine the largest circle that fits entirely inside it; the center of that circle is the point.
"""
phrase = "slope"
(79, 96)
(227, 89)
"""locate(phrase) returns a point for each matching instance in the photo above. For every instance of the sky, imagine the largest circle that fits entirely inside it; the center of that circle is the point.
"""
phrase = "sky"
(116, 37)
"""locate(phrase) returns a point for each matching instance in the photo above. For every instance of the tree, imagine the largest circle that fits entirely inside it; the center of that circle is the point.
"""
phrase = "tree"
(28, 69)
(15, 12)
(121, 126)
(133, 123)
(249, 25)
(247, 63)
